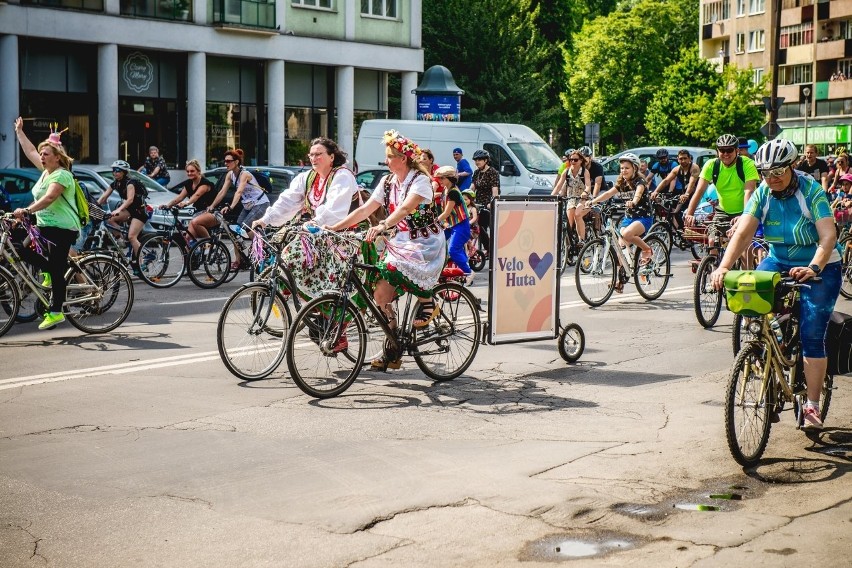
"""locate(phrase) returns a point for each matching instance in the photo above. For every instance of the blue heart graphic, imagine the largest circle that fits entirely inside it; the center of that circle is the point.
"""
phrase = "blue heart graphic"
(540, 264)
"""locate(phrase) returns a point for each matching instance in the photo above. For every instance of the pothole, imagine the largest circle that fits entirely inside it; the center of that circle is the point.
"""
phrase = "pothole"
(718, 498)
(576, 545)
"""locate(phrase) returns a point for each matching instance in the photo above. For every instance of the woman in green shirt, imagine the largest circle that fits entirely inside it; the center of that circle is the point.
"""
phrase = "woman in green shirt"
(56, 216)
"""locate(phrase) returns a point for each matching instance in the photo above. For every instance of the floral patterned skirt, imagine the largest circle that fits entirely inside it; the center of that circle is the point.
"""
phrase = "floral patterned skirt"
(318, 261)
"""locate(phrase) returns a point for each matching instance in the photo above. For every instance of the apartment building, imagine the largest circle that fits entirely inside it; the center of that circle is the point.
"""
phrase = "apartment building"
(196, 77)
(814, 65)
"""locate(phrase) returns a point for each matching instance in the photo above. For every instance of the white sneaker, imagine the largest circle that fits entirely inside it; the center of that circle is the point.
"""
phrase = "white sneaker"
(811, 420)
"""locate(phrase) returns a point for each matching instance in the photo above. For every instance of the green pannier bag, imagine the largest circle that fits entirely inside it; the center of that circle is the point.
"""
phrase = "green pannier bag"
(751, 292)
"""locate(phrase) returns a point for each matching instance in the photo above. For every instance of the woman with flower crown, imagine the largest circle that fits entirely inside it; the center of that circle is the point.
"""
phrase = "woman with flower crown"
(416, 253)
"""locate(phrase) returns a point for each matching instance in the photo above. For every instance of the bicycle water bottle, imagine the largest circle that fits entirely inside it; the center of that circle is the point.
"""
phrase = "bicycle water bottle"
(775, 325)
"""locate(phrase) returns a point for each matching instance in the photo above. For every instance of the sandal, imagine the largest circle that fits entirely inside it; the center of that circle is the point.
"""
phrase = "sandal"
(381, 364)
(426, 312)
(645, 260)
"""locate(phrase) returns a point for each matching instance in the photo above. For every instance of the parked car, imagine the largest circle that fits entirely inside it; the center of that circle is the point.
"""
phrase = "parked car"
(699, 156)
(18, 183)
(279, 176)
(370, 178)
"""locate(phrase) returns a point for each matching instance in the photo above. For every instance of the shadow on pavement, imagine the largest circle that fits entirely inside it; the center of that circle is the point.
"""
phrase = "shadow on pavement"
(580, 373)
(137, 341)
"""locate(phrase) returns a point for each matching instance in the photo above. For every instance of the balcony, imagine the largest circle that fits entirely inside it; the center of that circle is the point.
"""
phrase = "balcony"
(159, 9)
(831, 50)
(799, 54)
(840, 89)
(718, 29)
(254, 14)
(789, 92)
(840, 8)
(85, 5)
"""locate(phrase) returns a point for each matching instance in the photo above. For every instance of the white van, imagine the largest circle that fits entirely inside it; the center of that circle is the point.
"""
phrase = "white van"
(527, 165)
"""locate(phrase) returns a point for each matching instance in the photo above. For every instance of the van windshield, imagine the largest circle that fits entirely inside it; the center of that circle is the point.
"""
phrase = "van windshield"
(538, 158)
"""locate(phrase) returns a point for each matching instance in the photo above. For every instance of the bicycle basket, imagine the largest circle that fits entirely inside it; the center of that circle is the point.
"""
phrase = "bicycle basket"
(97, 213)
(751, 292)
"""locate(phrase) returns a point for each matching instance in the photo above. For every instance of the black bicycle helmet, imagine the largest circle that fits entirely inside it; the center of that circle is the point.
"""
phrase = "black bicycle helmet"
(585, 151)
(776, 154)
(727, 141)
(662, 154)
(482, 155)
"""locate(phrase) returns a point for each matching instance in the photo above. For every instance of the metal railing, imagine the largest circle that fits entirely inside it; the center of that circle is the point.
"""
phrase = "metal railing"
(250, 13)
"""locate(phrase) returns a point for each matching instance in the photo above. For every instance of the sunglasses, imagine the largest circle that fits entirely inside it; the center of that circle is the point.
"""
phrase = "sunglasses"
(116, 170)
(727, 150)
(774, 172)
(229, 160)
(575, 159)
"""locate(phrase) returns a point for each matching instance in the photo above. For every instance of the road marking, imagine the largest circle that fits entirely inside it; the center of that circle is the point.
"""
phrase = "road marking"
(620, 299)
(222, 299)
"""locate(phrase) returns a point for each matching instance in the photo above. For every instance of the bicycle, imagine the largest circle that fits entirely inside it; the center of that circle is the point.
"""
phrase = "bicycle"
(844, 238)
(214, 256)
(96, 283)
(767, 374)
(665, 229)
(570, 244)
(327, 342)
(103, 240)
(707, 301)
(602, 266)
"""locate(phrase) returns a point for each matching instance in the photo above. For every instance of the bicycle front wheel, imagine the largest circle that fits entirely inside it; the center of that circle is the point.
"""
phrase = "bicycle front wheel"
(10, 301)
(595, 272)
(104, 304)
(209, 263)
(652, 277)
(326, 346)
(251, 332)
(445, 348)
(741, 335)
(161, 261)
(747, 405)
(707, 301)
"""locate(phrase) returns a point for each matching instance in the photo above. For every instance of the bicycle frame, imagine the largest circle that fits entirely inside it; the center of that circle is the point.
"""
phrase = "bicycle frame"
(778, 361)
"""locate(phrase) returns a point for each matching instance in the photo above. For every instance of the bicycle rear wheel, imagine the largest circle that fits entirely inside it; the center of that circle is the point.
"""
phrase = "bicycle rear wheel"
(251, 332)
(161, 261)
(209, 263)
(326, 346)
(707, 301)
(105, 305)
(663, 231)
(572, 342)
(445, 348)
(652, 278)
(846, 275)
(747, 410)
(10, 301)
(595, 272)
(477, 260)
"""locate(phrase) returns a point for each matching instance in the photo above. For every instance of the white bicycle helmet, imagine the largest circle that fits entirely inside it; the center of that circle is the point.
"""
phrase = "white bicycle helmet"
(630, 157)
(727, 141)
(776, 153)
(585, 151)
(121, 165)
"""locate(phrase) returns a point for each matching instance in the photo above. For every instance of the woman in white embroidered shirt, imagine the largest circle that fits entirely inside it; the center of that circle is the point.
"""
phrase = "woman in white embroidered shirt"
(416, 254)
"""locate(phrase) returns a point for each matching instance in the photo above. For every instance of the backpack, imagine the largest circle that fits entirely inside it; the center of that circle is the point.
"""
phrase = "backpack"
(838, 344)
(263, 180)
(717, 165)
(81, 203)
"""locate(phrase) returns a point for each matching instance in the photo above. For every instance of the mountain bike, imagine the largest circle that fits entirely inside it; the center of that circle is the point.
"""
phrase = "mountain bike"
(327, 342)
(99, 293)
(768, 374)
(603, 267)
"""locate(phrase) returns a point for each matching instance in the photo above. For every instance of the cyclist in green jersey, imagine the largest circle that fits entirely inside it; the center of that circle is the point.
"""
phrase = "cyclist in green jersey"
(735, 178)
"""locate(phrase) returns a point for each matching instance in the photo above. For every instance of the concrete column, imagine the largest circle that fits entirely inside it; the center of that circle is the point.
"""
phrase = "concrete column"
(416, 29)
(107, 103)
(112, 7)
(345, 100)
(275, 110)
(9, 101)
(199, 11)
(281, 16)
(196, 107)
(408, 101)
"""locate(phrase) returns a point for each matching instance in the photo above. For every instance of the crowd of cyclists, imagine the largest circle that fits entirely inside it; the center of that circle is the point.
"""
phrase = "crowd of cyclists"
(418, 219)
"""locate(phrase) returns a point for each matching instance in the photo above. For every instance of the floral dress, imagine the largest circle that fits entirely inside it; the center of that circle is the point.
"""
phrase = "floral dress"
(416, 254)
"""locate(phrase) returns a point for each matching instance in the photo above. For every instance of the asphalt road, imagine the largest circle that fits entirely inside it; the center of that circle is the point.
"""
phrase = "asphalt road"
(138, 448)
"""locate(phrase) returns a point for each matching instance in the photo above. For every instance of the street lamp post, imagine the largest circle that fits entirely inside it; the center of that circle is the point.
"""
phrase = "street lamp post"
(806, 92)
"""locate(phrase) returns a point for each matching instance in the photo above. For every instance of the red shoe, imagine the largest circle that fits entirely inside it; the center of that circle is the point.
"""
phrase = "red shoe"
(341, 345)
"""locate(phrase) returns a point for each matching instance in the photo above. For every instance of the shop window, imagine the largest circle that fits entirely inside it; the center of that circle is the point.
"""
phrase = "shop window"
(87, 5)
(252, 13)
(380, 8)
(229, 126)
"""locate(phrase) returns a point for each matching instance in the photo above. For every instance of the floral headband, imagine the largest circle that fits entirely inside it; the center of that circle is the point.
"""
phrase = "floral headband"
(401, 144)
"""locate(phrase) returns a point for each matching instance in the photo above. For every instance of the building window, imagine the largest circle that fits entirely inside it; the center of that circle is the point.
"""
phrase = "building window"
(845, 66)
(714, 11)
(160, 9)
(788, 4)
(756, 40)
(380, 8)
(313, 3)
(252, 13)
(740, 43)
(845, 29)
(741, 7)
(87, 5)
(758, 75)
(756, 6)
(795, 74)
(834, 107)
(800, 34)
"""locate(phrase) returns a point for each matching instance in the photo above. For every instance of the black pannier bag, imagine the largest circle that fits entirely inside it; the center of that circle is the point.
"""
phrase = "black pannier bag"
(838, 344)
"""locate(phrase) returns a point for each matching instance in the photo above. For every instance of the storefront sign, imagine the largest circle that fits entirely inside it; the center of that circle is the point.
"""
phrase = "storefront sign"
(523, 271)
(138, 72)
(439, 108)
(818, 134)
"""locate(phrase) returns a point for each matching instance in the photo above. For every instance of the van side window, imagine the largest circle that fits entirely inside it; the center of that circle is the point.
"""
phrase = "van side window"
(498, 155)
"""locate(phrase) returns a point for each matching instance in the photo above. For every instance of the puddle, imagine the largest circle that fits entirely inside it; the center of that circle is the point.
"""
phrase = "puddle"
(582, 544)
(641, 511)
(695, 507)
